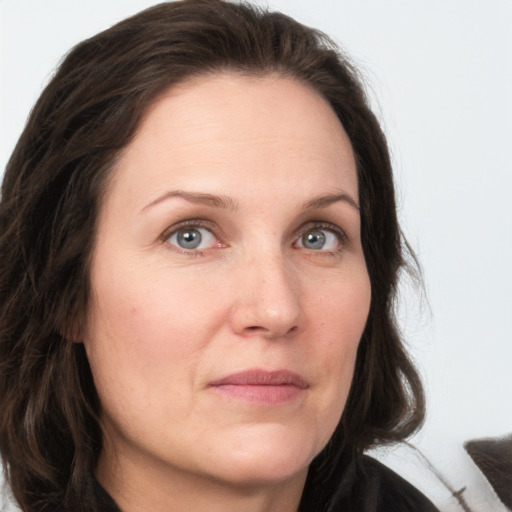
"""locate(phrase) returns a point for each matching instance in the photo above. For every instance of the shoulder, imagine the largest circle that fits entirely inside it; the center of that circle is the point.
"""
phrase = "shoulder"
(383, 490)
(377, 488)
(95, 499)
(390, 490)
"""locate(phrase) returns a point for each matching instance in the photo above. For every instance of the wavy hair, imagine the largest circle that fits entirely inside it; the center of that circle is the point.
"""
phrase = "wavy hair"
(50, 435)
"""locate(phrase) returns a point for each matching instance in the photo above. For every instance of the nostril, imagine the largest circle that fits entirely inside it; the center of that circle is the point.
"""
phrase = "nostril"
(255, 328)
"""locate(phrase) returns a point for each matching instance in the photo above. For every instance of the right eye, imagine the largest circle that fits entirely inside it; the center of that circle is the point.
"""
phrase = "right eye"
(319, 240)
(192, 238)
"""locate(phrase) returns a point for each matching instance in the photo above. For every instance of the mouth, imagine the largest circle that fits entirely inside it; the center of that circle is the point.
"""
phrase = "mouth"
(261, 386)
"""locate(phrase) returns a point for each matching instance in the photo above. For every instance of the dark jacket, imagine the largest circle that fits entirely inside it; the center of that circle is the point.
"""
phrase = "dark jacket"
(376, 489)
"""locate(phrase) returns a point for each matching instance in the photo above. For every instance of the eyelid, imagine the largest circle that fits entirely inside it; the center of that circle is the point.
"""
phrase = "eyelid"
(214, 229)
(192, 223)
(323, 225)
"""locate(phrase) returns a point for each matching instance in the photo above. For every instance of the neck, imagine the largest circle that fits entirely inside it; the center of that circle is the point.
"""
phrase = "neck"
(138, 487)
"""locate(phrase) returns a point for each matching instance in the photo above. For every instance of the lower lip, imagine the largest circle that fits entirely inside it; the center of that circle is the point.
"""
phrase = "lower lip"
(266, 395)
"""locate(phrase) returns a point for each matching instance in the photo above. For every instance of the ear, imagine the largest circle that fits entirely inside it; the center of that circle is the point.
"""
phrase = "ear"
(73, 335)
(72, 328)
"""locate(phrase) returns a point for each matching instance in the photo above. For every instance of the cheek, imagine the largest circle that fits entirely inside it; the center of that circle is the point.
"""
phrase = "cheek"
(142, 309)
(341, 312)
(143, 329)
(143, 344)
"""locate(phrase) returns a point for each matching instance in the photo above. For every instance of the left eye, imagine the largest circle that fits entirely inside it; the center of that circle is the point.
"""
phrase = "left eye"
(191, 238)
(319, 240)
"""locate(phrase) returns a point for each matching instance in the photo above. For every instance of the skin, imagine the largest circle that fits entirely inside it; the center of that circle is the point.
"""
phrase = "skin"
(165, 322)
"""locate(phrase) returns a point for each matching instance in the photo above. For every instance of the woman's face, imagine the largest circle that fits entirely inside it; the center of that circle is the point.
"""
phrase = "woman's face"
(229, 286)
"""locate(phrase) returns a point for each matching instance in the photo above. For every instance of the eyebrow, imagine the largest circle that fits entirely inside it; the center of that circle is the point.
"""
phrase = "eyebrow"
(227, 203)
(327, 200)
(212, 200)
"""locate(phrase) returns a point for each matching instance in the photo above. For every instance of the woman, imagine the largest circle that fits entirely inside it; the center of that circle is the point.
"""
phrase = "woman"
(199, 253)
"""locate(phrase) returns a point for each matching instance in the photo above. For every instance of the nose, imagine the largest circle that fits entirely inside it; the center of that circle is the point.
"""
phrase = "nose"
(268, 303)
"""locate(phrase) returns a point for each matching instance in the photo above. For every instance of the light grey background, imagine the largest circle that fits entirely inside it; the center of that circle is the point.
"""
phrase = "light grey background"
(439, 74)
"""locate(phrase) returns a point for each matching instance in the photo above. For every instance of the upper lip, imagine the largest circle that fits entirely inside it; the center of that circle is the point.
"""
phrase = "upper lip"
(258, 377)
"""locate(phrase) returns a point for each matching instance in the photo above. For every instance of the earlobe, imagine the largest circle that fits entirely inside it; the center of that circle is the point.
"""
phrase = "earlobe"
(72, 336)
(72, 331)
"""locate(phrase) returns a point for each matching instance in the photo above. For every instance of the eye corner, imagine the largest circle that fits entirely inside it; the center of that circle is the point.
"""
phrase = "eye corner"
(321, 238)
(192, 237)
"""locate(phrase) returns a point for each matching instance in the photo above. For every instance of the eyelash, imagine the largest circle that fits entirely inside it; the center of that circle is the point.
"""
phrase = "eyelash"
(324, 226)
(190, 224)
(210, 226)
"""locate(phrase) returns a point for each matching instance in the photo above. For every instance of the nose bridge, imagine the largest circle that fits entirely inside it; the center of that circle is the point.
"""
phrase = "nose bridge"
(269, 302)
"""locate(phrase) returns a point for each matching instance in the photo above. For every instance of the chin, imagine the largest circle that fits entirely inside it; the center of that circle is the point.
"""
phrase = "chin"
(265, 472)
(267, 459)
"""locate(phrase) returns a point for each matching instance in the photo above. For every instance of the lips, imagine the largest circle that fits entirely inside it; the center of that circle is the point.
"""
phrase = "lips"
(261, 386)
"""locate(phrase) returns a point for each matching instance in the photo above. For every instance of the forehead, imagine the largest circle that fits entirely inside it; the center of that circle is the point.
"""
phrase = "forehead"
(228, 128)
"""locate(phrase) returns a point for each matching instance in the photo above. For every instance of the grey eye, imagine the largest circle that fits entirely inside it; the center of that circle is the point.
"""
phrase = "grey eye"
(319, 240)
(314, 239)
(189, 238)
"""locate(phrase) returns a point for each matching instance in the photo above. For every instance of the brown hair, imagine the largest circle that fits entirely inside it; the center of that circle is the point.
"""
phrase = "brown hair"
(50, 436)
